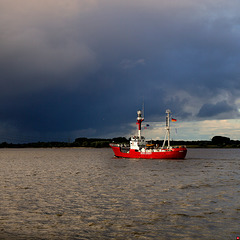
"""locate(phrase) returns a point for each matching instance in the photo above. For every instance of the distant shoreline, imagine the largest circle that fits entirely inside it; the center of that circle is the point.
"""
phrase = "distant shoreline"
(216, 142)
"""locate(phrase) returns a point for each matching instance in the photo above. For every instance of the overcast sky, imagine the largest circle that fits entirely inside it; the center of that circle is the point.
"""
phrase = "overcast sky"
(74, 68)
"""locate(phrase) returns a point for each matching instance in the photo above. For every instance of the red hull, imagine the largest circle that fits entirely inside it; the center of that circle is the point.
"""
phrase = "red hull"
(173, 153)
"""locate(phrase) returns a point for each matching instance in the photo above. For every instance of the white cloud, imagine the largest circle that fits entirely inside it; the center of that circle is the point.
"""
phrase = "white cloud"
(195, 130)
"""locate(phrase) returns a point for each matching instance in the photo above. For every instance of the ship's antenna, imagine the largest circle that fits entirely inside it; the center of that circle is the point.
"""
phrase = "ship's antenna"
(167, 136)
(143, 109)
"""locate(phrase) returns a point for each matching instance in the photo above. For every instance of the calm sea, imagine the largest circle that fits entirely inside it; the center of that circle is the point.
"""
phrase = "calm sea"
(87, 194)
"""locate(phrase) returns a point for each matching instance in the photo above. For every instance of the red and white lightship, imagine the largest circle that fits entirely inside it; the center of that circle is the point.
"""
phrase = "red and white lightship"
(140, 149)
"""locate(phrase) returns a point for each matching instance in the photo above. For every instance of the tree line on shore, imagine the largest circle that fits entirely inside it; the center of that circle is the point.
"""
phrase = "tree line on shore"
(215, 142)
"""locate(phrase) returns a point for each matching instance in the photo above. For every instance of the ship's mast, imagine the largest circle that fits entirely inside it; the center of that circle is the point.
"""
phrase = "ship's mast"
(139, 122)
(167, 135)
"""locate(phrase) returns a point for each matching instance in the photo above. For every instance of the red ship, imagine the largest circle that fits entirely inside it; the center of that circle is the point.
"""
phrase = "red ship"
(140, 149)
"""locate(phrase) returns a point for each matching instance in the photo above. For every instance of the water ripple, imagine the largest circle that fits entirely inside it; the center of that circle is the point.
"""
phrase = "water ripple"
(87, 194)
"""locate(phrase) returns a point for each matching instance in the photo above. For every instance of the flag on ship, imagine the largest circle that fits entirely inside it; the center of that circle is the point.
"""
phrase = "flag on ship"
(174, 119)
(147, 125)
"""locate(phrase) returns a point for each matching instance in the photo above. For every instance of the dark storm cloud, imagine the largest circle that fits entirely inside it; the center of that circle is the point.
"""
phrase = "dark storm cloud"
(86, 66)
(213, 110)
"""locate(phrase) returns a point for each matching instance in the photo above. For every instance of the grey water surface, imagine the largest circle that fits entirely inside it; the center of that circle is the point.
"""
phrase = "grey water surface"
(82, 193)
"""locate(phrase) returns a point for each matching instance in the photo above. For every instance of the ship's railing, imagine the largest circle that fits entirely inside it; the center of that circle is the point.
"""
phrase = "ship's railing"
(119, 145)
(114, 144)
(172, 147)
